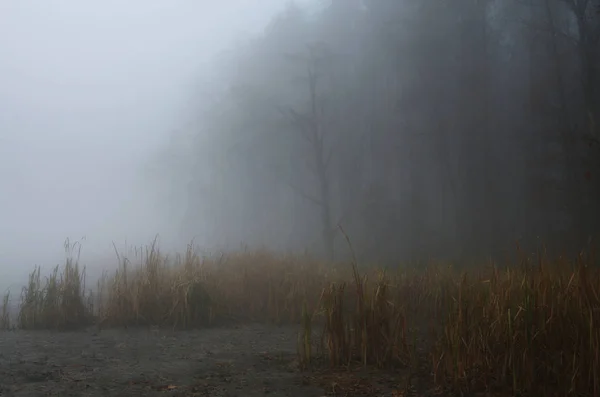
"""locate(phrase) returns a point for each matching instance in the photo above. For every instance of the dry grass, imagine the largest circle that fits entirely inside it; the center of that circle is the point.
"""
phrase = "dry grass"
(191, 291)
(531, 328)
(5, 323)
(60, 302)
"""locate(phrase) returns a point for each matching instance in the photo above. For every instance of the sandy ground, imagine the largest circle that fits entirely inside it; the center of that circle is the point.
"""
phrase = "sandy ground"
(242, 361)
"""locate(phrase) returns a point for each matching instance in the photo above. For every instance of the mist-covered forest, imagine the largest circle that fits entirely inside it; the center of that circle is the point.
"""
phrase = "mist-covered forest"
(426, 129)
(401, 144)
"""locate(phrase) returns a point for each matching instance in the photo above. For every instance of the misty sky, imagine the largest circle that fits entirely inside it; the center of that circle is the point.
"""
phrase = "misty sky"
(88, 92)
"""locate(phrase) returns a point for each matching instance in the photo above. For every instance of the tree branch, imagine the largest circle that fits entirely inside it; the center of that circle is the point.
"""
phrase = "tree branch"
(328, 157)
(304, 195)
(298, 120)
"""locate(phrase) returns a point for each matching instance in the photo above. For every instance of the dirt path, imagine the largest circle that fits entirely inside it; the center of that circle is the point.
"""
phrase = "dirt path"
(245, 361)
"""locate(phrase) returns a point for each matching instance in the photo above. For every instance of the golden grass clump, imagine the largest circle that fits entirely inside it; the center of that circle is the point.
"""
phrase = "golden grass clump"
(535, 329)
(61, 302)
(5, 323)
(532, 328)
(193, 291)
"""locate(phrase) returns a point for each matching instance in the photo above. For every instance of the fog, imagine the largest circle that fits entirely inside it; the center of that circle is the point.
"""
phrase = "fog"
(445, 130)
(89, 93)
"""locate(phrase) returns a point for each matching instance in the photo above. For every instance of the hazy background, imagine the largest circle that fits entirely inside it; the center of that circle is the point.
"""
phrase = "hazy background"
(428, 129)
(89, 91)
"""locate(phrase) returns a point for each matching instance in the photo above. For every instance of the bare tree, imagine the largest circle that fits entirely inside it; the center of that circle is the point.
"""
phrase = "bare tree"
(310, 124)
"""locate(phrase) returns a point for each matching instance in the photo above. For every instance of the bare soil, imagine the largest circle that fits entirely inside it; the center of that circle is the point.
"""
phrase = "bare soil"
(249, 361)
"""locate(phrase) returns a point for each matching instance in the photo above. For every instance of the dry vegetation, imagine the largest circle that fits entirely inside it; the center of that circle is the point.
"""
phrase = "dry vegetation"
(531, 328)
